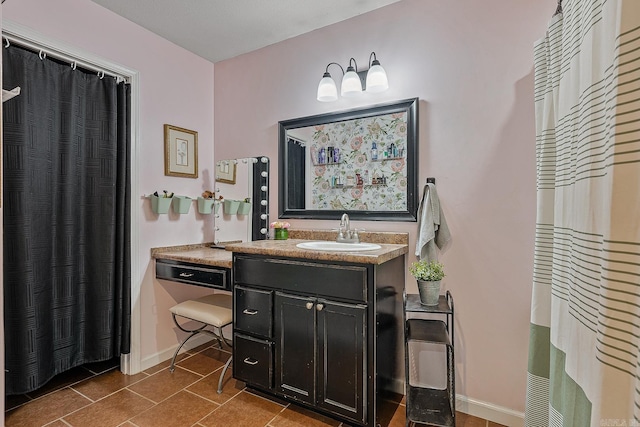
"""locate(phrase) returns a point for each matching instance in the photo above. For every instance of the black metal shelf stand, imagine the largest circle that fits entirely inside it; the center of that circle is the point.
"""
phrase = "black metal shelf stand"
(432, 406)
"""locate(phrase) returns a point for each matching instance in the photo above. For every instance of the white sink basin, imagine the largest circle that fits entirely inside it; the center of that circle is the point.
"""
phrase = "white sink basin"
(338, 246)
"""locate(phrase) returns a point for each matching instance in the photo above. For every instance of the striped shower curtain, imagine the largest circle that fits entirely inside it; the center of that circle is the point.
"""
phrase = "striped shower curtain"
(584, 353)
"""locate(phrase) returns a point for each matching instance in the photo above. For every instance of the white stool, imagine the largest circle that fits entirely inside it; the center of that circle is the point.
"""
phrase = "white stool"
(211, 310)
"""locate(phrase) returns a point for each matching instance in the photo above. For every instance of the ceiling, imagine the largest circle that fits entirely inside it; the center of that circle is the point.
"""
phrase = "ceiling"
(221, 29)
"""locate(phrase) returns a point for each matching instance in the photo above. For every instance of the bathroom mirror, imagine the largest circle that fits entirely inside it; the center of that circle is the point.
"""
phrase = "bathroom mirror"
(362, 162)
(236, 181)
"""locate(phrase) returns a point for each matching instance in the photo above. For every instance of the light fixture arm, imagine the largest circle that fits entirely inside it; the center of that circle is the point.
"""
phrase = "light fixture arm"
(326, 71)
(350, 68)
(375, 60)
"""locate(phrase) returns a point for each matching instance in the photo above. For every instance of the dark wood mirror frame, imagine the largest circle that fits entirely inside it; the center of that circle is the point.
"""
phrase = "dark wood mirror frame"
(285, 208)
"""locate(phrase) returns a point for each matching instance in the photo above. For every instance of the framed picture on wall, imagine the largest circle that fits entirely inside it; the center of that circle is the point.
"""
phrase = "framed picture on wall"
(180, 152)
(226, 171)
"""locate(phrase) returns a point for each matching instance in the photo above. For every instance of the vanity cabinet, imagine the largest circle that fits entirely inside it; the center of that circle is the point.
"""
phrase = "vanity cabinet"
(320, 353)
(327, 335)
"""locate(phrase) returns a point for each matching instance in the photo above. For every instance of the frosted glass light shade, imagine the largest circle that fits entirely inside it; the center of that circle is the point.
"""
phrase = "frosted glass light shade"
(327, 90)
(351, 84)
(377, 79)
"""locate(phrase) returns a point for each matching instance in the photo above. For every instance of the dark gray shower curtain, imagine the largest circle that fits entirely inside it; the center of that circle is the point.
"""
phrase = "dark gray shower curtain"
(66, 219)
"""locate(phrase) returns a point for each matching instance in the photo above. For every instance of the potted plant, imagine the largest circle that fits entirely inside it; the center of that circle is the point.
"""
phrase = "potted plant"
(231, 206)
(428, 275)
(245, 206)
(181, 204)
(160, 202)
(206, 201)
(281, 230)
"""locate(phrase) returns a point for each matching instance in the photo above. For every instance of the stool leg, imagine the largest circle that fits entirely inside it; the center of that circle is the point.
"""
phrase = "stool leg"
(191, 331)
(221, 338)
(224, 371)
(173, 359)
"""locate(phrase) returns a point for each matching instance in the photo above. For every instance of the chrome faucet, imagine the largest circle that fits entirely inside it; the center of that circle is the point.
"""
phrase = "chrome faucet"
(345, 233)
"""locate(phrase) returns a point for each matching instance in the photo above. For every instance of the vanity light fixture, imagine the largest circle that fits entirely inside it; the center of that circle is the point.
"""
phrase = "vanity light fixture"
(353, 81)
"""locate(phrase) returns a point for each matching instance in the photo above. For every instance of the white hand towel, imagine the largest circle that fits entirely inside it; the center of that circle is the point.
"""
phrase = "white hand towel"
(432, 227)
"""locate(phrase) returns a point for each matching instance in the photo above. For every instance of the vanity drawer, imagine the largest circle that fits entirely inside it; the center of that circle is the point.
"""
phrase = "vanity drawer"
(253, 360)
(331, 280)
(253, 311)
(193, 274)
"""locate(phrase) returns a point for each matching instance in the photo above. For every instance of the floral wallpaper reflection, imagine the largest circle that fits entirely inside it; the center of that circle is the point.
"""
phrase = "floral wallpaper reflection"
(360, 164)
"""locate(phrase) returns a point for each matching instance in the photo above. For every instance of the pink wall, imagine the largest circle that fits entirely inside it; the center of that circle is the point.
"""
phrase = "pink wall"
(471, 65)
(176, 87)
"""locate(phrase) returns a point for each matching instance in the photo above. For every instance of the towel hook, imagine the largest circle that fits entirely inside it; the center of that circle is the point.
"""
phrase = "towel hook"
(431, 180)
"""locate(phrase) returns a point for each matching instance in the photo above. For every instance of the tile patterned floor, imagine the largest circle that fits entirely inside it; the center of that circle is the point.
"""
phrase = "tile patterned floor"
(99, 395)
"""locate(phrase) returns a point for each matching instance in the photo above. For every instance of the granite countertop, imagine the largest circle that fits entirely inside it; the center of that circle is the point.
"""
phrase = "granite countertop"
(197, 254)
(287, 248)
(393, 246)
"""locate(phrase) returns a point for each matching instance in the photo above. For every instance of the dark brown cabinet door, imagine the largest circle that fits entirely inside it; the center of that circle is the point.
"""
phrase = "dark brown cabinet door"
(341, 369)
(295, 346)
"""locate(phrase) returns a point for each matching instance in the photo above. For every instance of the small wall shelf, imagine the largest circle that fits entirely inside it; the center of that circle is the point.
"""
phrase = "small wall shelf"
(327, 164)
(342, 187)
(385, 159)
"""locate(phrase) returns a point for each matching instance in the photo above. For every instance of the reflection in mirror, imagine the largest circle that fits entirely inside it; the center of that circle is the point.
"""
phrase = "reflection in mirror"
(243, 212)
(363, 162)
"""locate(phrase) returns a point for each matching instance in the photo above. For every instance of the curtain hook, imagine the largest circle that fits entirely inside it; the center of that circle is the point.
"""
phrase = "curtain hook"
(42, 54)
(101, 74)
(74, 64)
(6, 42)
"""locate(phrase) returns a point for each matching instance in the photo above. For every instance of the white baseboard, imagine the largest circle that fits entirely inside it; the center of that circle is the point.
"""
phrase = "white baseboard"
(154, 359)
(489, 411)
(477, 408)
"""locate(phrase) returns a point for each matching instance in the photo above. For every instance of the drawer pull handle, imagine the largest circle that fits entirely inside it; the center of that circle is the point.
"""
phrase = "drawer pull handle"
(309, 305)
(248, 361)
(250, 312)
(319, 307)
(186, 274)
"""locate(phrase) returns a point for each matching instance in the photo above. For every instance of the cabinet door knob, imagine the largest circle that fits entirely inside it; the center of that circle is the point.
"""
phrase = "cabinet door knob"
(309, 305)
(319, 307)
(250, 361)
(250, 312)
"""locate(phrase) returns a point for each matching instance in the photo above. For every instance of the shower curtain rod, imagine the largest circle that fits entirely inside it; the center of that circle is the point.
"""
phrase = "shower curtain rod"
(9, 38)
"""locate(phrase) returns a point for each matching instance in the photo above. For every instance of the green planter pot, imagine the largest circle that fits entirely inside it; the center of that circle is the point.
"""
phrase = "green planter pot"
(205, 206)
(281, 234)
(216, 206)
(429, 292)
(231, 206)
(181, 204)
(244, 208)
(160, 205)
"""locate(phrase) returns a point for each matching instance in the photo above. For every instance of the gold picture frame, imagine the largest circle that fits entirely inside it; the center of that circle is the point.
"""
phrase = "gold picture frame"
(226, 171)
(180, 152)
